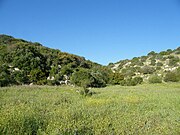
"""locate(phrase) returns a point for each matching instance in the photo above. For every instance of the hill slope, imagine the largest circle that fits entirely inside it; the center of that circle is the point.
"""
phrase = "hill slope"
(158, 64)
(23, 62)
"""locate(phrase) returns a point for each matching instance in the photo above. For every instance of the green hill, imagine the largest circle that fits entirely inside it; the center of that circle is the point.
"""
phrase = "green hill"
(155, 67)
(23, 62)
(26, 63)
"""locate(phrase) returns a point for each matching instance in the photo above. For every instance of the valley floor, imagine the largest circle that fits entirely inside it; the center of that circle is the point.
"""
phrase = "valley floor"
(143, 109)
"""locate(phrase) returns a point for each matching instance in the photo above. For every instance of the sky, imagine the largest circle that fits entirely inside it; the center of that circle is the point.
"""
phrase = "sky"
(103, 31)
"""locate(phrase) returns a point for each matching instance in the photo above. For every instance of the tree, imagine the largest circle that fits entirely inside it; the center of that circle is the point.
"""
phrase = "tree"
(5, 78)
(98, 79)
(82, 78)
(151, 53)
(20, 77)
(37, 76)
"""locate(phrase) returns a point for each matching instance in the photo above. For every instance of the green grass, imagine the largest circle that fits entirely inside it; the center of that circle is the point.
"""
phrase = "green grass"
(140, 110)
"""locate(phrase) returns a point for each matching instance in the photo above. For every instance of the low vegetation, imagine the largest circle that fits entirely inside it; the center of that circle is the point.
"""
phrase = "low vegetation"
(23, 62)
(143, 110)
(164, 65)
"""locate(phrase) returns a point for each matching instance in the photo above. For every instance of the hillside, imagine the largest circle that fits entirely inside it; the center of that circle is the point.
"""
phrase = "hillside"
(154, 64)
(26, 63)
(23, 62)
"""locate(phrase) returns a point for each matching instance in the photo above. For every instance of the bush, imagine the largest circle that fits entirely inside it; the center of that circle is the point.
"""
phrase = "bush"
(116, 78)
(155, 79)
(82, 78)
(178, 73)
(171, 77)
(158, 68)
(131, 81)
(138, 80)
(88, 78)
(5, 78)
(159, 64)
(153, 62)
(147, 70)
(164, 53)
(173, 61)
(151, 53)
(130, 71)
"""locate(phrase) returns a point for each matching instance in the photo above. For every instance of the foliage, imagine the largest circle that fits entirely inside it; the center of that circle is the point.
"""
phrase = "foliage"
(159, 64)
(177, 71)
(147, 70)
(171, 77)
(35, 63)
(24, 62)
(128, 72)
(5, 77)
(89, 78)
(153, 62)
(131, 81)
(152, 53)
(116, 78)
(173, 61)
(145, 66)
(82, 78)
(164, 53)
(37, 76)
(138, 80)
(20, 77)
(155, 79)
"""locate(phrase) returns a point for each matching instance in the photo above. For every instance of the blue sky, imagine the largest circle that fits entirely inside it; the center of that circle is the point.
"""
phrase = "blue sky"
(100, 30)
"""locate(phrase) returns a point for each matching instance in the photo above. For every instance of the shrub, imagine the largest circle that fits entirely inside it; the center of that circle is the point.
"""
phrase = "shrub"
(164, 53)
(158, 68)
(153, 62)
(171, 77)
(155, 79)
(151, 53)
(100, 77)
(116, 78)
(128, 71)
(138, 80)
(159, 64)
(88, 78)
(5, 78)
(147, 70)
(159, 57)
(173, 61)
(143, 58)
(131, 81)
(82, 78)
(178, 73)
(37, 76)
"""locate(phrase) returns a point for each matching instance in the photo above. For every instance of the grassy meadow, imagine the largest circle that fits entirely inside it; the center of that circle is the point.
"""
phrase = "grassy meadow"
(52, 110)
